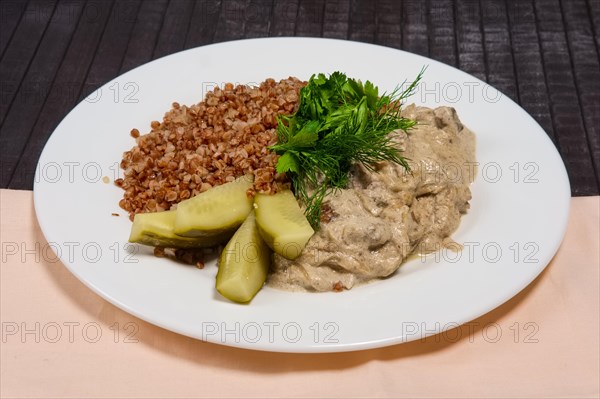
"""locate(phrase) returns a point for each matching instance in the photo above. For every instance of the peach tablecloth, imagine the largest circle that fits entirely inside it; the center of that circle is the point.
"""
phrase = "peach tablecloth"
(59, 339)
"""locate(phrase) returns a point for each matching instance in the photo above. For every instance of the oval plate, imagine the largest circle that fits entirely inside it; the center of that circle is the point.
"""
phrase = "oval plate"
(517, 219)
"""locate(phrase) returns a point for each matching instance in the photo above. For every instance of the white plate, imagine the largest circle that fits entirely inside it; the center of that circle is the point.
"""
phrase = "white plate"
(517, 219)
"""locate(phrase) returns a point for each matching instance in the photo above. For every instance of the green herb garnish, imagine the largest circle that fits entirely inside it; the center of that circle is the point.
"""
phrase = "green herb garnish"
(339, 122)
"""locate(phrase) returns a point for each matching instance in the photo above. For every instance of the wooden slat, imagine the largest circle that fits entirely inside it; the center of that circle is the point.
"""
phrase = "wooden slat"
(442, 28)
(257, 17)
(310, 18)
(335, 19)
(64, 94)
(111, 50)
(35, 86)
(469, 37)
(145, 34)
(10, 15)
(20, 51)
(593, 7)
(586, 67)
(363, 21)
(388, 17)
(204, 23)
(284, 18)
(415, 35)
(231, 21)
(497, 44)
(175, 28)
(533, 94)
(564, 101)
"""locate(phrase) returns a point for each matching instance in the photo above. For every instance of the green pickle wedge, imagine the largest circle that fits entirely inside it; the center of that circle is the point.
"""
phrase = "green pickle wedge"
(156, 229)
(244, 263)
(282, 223)
(218, 210)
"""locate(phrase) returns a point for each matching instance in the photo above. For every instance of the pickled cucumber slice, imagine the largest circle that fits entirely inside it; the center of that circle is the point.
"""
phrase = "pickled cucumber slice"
(244, 263)
(156, 229)
(220, 209)
(282, 223)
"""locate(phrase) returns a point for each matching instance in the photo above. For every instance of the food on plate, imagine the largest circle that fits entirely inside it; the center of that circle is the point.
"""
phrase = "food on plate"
(208, 144)
(339, 122)
(157, 229)
(281, 223)
(244, 263)
(220, 209)
(386, 214)
(341, 181)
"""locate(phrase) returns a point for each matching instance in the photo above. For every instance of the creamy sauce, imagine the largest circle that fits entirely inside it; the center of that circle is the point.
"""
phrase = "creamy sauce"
(385, 216)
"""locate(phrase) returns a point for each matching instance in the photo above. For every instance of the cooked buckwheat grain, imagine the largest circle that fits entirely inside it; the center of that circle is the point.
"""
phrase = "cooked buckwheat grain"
(207, 144)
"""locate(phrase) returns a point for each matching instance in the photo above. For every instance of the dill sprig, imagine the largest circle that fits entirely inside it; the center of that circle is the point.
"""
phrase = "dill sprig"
(339, 122)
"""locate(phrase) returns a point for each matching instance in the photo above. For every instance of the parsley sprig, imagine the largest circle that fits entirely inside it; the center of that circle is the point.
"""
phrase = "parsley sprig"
(339, 122)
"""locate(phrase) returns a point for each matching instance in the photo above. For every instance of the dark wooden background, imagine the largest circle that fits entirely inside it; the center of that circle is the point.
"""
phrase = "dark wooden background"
(544, 54)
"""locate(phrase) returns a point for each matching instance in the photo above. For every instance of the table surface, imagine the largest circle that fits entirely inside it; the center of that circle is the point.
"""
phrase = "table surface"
(60, 340)
(544, 54)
